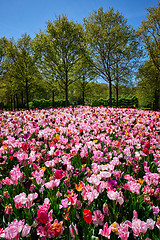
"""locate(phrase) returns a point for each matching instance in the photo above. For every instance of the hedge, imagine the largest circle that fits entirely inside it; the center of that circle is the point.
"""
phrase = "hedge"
(42, 103)
(122, 102)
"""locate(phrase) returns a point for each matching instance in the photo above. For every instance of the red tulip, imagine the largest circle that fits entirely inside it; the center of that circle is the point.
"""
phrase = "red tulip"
(24, 146)
(42, 215)
(58, 174)
(146, 151)
(147, 145)
(87, 215)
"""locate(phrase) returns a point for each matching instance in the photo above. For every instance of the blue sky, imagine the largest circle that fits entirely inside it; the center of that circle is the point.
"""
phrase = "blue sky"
(29, 16)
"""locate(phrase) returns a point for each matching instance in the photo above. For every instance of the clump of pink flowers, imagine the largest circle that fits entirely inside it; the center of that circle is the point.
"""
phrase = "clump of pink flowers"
(15, 230)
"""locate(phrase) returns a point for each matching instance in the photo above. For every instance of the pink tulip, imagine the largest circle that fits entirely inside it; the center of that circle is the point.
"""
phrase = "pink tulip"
(150, 223)
(73, 230)
(97, 218)
(155, 210)
(106, 231)
(26, 230)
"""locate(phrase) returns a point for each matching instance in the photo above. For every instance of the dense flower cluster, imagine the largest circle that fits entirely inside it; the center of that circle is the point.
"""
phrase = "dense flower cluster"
(80, 173)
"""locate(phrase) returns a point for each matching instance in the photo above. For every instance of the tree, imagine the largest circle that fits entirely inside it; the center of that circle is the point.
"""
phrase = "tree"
(148, 86)
(149, 32)
(25, 69)
(43, 62)
(84, 73)
(126, 62)
(3, 41)
(7, 59)
(49, 77)
(61, 48)
(20, 72)
(97, 90)
(108, 37)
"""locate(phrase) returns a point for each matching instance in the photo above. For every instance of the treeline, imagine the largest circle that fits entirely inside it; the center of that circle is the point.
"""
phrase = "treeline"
(64, 64)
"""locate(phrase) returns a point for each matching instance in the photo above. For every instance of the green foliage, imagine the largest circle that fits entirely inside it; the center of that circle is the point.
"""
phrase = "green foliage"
(21, 75)
(149, 33)
(92, 91)
(43, 103)
(113, 45)
(1, 105)
(148, 86)
(40, 103)
(131, 101)
(60, 48)
(101, 102)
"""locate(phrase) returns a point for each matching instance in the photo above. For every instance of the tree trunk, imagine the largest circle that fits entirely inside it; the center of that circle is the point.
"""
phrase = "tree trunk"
(116, 96)
(156, 100)
(83, 90)
(22, 98)
(117, 85)
(110, 92)
(17, 101)
(83, 97)
(14, 102)
(66, 89)
(157, 94)
(52, 97)
(27, 101)
(11, 101)
(66, 95)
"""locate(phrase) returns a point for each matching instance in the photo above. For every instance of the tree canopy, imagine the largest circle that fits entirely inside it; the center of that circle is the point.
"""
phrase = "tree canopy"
(68, 60)
(62, 48)
(149, 31)
(113, 45)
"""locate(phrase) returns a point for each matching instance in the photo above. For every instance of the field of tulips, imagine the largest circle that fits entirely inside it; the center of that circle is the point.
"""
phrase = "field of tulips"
(80, 173)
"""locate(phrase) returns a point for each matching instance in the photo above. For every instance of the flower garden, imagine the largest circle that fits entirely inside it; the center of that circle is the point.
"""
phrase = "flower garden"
(80, 173)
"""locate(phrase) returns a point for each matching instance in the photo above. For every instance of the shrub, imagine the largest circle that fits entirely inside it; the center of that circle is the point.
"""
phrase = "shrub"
(42, 103)
(122, 102)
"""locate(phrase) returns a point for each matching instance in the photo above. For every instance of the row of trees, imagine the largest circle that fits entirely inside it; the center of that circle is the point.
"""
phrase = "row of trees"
(148, 76)
(67, 57)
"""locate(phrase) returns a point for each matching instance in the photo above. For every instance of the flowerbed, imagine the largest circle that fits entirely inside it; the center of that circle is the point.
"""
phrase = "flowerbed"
(80, 173)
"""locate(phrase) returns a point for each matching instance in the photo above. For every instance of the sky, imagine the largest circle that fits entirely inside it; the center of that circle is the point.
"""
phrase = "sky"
(30, 16)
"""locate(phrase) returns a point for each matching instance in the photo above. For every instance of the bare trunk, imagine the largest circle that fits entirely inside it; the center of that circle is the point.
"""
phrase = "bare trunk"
(83, 90)
(83, 98)
(27, 101)
(17, 101)
(157, 94)
(156, 100)
(52, 97)
(66, 89)
(117, 85)
(110, 92)
(22, 98)
(116, 96)
(66, 95)
(14, 102)
(11, 101)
